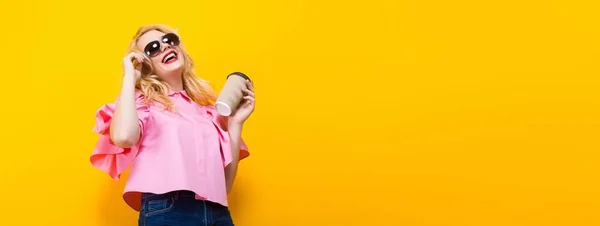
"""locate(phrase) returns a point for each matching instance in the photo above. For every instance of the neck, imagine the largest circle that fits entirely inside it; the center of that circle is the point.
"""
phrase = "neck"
(175, 83)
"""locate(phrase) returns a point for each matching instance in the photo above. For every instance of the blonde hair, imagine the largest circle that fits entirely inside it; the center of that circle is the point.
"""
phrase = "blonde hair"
(153, 89)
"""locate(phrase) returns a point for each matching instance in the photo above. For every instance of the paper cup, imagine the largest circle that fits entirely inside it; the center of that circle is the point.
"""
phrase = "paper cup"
(231, 95)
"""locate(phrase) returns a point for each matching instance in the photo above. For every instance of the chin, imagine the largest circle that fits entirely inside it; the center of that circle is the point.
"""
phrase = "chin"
(174, 68)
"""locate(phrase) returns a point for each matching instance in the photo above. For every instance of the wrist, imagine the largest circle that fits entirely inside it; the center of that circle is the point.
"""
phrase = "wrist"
(232, 124)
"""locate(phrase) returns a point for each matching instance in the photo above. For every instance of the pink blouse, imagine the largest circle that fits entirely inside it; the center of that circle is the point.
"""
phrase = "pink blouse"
(184, 149)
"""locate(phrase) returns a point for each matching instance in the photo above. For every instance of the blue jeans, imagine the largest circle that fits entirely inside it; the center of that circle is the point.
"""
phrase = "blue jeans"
(180, 208)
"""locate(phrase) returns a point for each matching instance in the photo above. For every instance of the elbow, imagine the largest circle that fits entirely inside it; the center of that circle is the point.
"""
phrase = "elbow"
(123, 140)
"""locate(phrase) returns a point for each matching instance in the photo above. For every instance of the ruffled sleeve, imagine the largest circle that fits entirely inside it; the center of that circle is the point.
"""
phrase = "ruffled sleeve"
(106, 155)
(224, 140)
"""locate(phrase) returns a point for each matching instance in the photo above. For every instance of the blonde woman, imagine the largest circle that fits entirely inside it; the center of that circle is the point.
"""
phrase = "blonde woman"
(183, 155)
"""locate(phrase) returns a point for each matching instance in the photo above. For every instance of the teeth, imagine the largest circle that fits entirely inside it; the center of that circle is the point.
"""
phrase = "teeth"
(170, 56)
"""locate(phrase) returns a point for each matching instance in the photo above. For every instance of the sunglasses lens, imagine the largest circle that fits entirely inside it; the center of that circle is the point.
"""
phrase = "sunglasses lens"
(152, 49)
(171, 39)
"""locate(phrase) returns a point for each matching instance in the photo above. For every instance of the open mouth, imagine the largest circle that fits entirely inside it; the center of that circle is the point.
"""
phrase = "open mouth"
(170, 57)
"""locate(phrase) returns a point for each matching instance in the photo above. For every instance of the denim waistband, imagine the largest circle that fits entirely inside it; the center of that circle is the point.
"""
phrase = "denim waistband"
(176, 195)
(181, 207)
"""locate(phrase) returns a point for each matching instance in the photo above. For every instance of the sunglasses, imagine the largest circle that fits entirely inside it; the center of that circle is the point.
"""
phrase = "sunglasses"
(152, 49)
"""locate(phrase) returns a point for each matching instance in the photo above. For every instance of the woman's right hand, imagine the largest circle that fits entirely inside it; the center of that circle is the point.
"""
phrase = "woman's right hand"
(129, 69)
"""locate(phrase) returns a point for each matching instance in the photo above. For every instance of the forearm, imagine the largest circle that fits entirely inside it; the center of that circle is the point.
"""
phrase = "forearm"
(124, 127)
(235, 137)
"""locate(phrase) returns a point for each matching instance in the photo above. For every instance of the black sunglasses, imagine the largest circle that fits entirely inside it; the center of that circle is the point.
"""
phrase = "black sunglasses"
(153, 48)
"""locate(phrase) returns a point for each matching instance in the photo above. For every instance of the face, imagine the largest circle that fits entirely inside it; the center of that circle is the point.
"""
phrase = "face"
(164, 52)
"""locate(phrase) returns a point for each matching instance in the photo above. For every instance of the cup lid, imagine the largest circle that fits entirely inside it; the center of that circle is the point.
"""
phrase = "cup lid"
(241, 75)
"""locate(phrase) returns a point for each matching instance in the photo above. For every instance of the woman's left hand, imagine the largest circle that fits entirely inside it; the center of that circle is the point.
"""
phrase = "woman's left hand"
(246, 106)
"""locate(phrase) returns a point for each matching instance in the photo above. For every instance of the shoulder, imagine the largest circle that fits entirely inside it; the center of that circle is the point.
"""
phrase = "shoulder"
(140, 98)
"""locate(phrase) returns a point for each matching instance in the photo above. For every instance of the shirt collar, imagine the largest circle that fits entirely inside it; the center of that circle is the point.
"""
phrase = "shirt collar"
(182, 93)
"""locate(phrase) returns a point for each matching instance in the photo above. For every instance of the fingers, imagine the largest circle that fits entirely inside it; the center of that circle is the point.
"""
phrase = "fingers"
(249, 100)
(250, 85)
(135, 56)
(139, 57)
(137, 65)
(248, 92)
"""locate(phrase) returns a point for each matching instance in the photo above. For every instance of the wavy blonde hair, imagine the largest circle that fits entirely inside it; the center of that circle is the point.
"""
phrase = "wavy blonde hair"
(153, 89)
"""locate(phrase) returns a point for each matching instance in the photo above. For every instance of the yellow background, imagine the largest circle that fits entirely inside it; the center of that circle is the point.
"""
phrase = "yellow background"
(375, 112)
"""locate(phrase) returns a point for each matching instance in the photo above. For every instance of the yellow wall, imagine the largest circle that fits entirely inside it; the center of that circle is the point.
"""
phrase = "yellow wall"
(369, 112)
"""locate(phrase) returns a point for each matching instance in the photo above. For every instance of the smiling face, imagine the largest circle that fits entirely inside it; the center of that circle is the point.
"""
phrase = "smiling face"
(164, 53)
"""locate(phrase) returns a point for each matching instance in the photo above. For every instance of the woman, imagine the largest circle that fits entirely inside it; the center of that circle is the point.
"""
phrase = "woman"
(183, 155)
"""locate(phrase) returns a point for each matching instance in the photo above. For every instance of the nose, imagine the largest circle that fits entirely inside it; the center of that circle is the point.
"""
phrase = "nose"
(164, 47)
